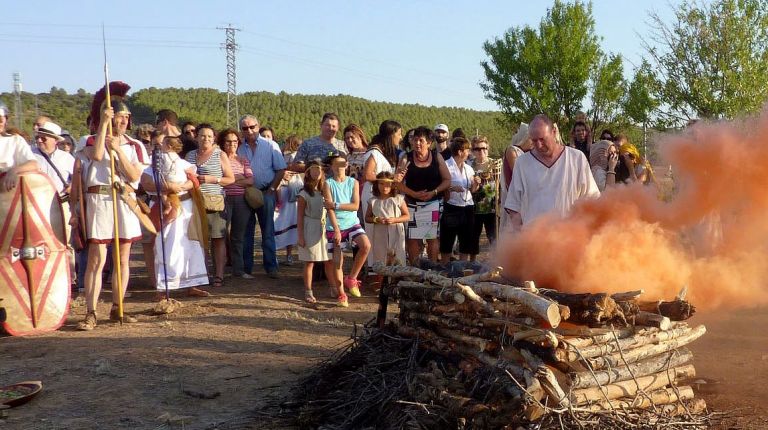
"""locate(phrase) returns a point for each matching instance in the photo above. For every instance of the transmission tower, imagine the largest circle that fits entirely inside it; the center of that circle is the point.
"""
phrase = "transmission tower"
(233, 112)
(17, 99)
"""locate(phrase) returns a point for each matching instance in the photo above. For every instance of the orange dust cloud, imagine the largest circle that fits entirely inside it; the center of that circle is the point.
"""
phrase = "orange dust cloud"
(712, 236)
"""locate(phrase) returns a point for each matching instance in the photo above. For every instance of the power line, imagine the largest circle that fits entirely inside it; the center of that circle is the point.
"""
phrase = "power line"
(233, 112)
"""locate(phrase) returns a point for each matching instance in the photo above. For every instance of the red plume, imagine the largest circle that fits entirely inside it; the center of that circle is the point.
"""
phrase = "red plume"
(117, 89)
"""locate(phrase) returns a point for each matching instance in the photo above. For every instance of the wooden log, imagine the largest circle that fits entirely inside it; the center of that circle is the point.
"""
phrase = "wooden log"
(453, 330)
(649, 366)
(547, 379)
(632, 387)
(580, 336)
(652, 320)
(588, 308)
(491, 275)
(637, 354)
(629, 295)
(641, 338)
(664, 396)
(545, 309)
(675, 310)
(693, 406)
(419, 291)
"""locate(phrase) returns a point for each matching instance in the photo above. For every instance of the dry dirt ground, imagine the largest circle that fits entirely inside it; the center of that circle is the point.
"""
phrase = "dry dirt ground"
(247, 345)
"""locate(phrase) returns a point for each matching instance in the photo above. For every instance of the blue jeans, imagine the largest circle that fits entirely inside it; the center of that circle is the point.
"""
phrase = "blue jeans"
(265, 215)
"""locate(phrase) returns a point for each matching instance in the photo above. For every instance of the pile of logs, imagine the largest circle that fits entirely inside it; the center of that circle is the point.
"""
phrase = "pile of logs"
(594, 353)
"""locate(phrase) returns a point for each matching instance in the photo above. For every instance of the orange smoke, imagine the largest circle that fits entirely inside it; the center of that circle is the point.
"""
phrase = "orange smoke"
(712, 236)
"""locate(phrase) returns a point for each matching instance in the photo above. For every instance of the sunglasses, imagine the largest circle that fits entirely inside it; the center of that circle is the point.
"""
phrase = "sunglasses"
(484, 148)
(249, 127)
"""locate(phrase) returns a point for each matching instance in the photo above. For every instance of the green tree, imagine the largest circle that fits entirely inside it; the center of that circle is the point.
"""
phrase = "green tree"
(608, 89)
(641, 103)
(712, 59)
(530, 71)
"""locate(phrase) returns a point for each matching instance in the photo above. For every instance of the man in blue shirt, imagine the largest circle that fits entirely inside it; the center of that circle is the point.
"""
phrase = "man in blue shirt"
(268, 167)
(320, 146)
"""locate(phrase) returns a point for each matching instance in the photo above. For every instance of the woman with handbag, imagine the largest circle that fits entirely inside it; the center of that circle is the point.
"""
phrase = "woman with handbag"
(457, 220)
(213, 173)
(237, 210)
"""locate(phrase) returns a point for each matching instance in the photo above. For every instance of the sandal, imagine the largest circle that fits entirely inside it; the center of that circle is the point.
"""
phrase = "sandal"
(217, 281)
(309, 297)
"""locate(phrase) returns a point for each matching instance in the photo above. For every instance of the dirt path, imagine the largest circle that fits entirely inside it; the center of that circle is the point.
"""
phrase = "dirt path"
(249, 342)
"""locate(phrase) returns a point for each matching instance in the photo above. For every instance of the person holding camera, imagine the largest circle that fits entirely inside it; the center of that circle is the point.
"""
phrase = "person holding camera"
(486, 196)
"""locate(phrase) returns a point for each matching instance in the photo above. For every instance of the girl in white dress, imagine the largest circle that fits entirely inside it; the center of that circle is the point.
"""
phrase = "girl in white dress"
(387, 214)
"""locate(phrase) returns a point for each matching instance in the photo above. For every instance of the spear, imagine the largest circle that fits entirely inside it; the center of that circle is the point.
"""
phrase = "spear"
(156, 176)
(115, 186)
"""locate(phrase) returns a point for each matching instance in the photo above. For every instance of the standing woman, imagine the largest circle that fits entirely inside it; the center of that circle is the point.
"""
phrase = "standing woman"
(184, 261)
(357, 150)
(423, 177)
(458, 216)
(380, 157)
(237, 210)
(486, 196)
(213, 173)
(286, 234)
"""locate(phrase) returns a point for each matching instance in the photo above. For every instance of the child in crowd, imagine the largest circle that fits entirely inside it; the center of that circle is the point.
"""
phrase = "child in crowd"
(388, 213)
(342, 198)
(285, 211)
(311, 225)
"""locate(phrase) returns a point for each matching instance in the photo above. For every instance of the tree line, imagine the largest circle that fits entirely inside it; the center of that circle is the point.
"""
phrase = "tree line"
(286, 113)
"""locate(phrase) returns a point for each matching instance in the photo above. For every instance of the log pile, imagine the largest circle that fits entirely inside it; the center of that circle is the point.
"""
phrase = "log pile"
(558, 353)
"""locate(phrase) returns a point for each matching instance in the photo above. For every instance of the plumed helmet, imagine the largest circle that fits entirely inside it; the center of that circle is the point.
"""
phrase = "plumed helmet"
(117, 93)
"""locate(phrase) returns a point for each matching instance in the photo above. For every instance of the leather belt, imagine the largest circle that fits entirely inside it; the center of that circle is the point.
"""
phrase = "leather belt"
(106, 189)
(186, 196)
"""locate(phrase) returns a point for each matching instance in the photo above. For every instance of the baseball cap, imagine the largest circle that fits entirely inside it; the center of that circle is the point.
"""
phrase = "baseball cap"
(442, 127)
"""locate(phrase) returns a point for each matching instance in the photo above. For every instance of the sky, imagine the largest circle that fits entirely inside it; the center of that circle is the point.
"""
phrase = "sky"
(400, 51)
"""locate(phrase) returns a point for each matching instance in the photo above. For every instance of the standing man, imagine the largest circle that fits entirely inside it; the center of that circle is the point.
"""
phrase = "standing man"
(15, 155)
(59, 166)
(441, 141)
(320, 146)
(131, 159)
(549, 178)
(268, 167)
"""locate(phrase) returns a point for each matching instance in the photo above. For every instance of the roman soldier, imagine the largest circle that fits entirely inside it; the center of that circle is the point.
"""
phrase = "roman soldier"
(130, 159)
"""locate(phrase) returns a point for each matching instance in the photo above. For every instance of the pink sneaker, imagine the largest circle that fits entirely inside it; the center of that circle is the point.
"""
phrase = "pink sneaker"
(353, 286)
(342, 301)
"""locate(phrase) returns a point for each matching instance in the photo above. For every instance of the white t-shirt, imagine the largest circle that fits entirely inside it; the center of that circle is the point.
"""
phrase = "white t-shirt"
(460, 178)
(63, 161)
(14, 151)
(537, 189)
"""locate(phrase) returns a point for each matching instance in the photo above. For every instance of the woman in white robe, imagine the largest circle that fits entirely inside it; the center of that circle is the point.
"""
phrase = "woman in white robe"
(184, 263)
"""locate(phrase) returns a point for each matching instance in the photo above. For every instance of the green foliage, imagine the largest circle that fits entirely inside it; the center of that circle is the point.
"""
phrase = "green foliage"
(640, 103)
(712, 60)
(546, 70)
(608, 91)
(286, 113)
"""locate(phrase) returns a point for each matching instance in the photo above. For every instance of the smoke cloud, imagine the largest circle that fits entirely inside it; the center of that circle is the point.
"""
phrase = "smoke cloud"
(712, 236)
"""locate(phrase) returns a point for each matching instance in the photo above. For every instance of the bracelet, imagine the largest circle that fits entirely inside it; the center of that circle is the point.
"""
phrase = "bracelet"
(436, 192)
(336, 205)
(610, 173)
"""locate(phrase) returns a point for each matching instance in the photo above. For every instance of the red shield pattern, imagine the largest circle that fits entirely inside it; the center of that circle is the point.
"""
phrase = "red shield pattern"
(34, 270)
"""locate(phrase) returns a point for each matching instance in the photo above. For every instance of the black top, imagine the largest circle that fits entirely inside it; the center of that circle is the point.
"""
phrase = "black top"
(422, 178)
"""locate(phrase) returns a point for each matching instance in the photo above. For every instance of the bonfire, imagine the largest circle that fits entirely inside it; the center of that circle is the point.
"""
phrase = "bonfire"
(483, 352)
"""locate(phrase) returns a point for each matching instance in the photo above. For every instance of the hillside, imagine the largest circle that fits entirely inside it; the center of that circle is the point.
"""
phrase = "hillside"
(286, 113)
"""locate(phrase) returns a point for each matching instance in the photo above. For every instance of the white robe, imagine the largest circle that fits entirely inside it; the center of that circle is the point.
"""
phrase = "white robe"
(185, 258)
(537, 189)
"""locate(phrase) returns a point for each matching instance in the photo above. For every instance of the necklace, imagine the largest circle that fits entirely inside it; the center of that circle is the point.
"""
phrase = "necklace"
(415, 154)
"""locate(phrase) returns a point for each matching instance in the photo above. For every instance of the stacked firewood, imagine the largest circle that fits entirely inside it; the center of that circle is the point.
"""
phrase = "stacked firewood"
(560, 352)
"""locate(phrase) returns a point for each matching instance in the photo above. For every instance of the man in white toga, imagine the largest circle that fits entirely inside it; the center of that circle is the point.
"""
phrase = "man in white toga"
(549, 178)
